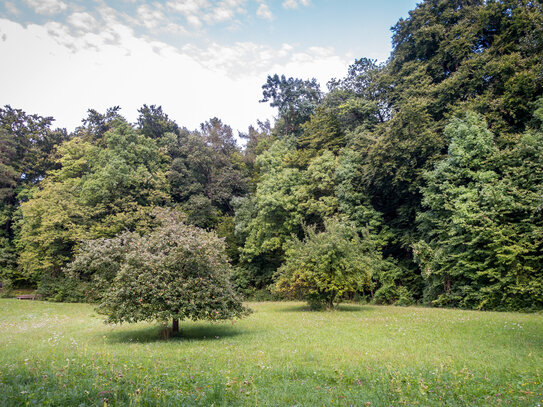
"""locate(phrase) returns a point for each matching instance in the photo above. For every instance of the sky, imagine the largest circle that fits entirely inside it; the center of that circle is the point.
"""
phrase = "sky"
(196, 58)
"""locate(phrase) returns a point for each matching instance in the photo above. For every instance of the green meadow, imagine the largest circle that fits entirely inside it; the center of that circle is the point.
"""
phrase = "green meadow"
(282, 355)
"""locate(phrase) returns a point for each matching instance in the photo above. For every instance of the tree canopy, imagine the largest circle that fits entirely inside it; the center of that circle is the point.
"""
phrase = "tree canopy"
(422, 174)
(176, 272)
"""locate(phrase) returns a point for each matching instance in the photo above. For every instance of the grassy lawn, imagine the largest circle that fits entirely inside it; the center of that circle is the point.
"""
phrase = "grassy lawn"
(282, 355)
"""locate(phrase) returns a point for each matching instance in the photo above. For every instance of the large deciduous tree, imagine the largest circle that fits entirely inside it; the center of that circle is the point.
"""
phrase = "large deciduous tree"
(482, 221)
(206, 172)
(99, 190)
(27, 152)
(295, 98)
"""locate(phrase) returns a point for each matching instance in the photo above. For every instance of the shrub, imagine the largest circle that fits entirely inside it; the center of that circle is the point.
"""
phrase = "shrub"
(7, 288)
(329, 264)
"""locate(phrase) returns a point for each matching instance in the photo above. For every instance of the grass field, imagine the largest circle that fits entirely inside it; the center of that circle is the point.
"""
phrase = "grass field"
(282, 355)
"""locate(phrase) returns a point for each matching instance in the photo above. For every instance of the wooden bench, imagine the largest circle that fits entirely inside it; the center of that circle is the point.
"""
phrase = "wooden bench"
(29, 297)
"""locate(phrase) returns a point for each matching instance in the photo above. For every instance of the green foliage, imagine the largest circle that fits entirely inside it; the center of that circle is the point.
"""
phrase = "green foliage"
(98, 261)
(323, 131)
(7, 288)
(482, 246)
(361, 97)
(316, 193)
(27, 149)
(271, 216)
(257, 141)
(296, 99)
(201, 212)
(8, 174)
(63, 288)
(448, 57)
(175, 272)
(226, 229)
(97, 191)
(353, 201)
(206, 172)
(327, 265)
(154, 123)
(478, 55)
(97, 124)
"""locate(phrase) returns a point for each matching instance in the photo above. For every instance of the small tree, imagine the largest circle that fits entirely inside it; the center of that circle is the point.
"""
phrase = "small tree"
(327, 265)
(176, 272)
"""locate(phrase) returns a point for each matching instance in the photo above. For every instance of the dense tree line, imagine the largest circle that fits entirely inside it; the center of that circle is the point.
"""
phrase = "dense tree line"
(415, 180)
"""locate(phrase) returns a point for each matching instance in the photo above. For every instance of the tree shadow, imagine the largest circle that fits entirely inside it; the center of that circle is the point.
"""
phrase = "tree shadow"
(338, 308)
(161, 333)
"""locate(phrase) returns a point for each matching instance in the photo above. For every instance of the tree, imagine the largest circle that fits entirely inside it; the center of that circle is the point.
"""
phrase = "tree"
(266, 220)
(206, 169)
(482, 223)
(481, 55)
(97, 262)
(366, 90)
(97, 124)
(322, 132)
(154, 123)
(176, 272)
(448, 57)
(295, 98)
(327, 265)
(98, 190)
(258, 139)
(27, 151)
(8, 174)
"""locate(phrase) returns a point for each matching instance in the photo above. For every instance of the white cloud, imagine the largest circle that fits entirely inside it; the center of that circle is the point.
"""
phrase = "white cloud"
(198, 11)
(48, 7)
(150, 17)
(82, 21)
(292, 4)
(244, 59)
(194, 21)
(174, 28)
(81, 69)
(264, 12)
(188, 7)
(225, 10)
(11, 8)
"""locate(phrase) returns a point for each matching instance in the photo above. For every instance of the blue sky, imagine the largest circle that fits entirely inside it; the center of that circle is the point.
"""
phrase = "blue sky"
(196, 58)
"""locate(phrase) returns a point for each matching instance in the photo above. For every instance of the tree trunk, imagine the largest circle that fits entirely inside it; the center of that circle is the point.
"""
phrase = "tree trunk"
(331, 301)
(447, 283)
(175, 327)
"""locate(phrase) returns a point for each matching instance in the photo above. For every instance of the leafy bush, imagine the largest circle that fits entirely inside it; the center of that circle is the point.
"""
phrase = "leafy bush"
(329, 264)
(386, 294)
(7, 288)
(63, 288)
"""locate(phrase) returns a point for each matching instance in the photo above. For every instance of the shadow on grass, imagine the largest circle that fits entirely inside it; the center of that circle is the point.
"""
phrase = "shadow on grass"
(159, 333)
(337, 308)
